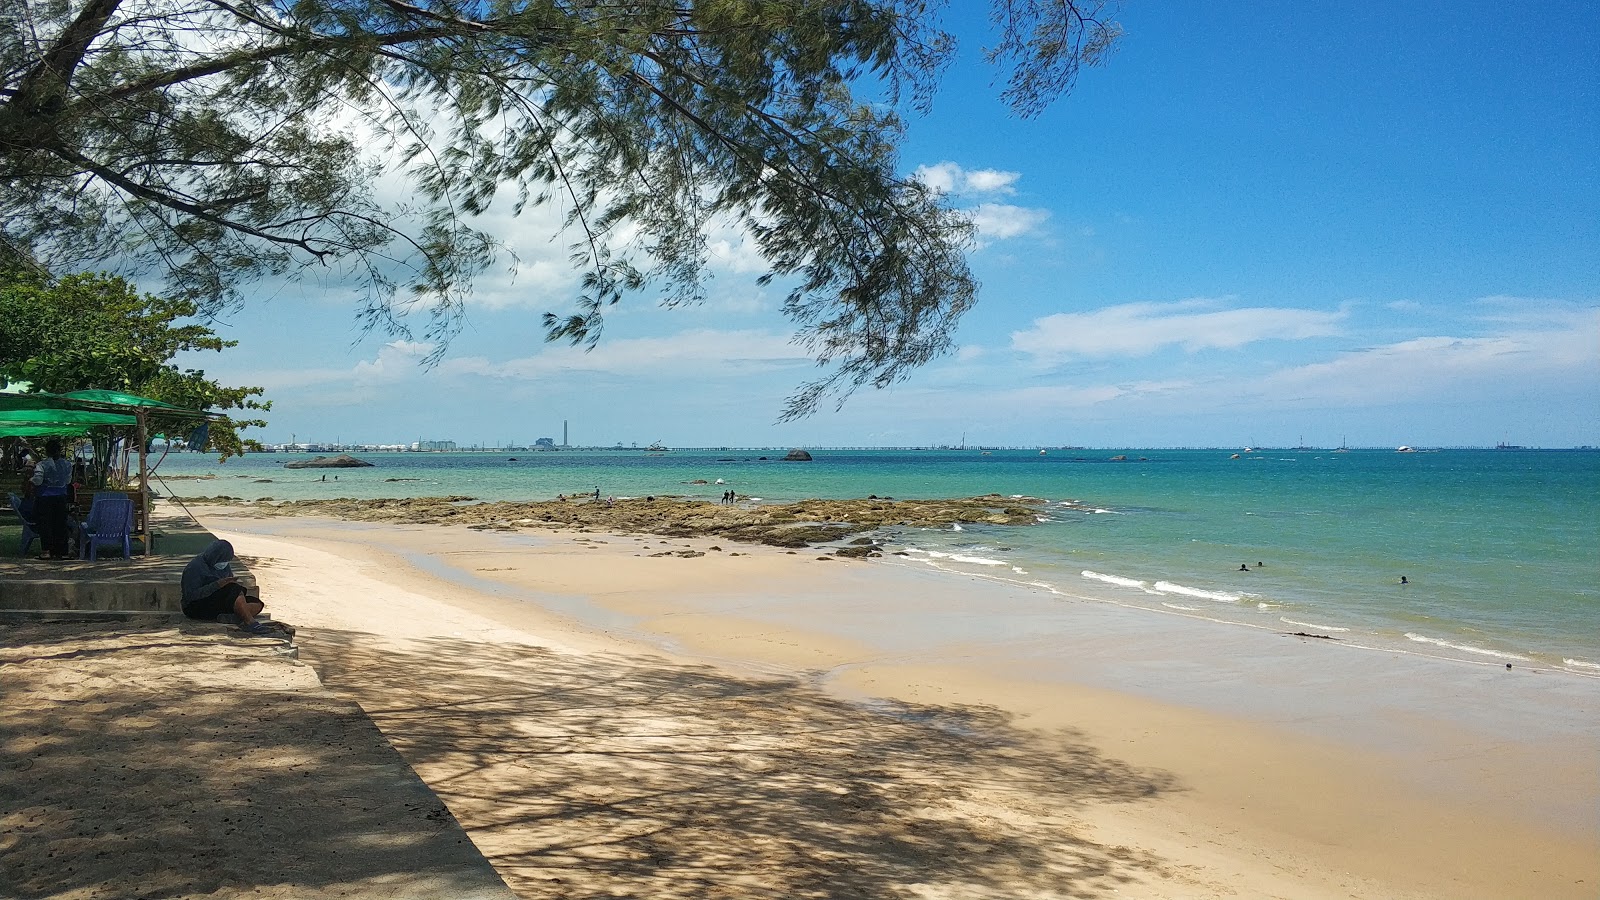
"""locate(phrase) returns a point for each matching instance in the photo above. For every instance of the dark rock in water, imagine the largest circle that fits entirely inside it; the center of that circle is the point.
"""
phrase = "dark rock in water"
(797, 456)
(512, 459)
(853, 552)
(342, 461)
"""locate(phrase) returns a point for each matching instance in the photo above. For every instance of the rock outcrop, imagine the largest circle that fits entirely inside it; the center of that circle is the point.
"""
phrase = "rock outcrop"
(797, 456)
(800, 524)
(342, 461)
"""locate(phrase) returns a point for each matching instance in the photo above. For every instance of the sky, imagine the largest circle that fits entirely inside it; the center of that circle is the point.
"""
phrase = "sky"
(1258, 224)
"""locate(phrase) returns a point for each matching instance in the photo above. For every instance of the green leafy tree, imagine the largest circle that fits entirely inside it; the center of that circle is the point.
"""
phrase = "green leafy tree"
(92, 331)
(224, 140)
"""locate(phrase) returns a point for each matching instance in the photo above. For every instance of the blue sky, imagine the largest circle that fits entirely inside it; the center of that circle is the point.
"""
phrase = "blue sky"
(1259, 223)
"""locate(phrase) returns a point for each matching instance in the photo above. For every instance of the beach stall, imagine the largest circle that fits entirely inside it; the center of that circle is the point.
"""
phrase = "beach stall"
(79, 413)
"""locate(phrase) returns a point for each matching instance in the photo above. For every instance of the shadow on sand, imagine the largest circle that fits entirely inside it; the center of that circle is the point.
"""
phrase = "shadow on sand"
(630, 776)
(187, 760)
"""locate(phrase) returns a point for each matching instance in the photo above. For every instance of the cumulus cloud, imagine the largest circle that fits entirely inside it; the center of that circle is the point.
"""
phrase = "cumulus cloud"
(1139, 329)
(950, 178)
(999, 221)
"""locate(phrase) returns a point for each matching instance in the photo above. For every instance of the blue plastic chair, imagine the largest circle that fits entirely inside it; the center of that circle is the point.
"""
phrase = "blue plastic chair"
(30, 528)
(110, 522)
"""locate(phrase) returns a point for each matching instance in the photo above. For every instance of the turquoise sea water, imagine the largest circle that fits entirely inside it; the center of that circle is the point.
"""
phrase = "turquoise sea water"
(1501, 549)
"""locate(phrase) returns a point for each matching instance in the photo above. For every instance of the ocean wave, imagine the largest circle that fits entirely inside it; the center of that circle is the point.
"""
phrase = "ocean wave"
(1288, 621)
(962, 558)
(1176, 606)
(1019, 570)
(1113, 579)
(1168, 587)
(1580, 664)
(1465, 648)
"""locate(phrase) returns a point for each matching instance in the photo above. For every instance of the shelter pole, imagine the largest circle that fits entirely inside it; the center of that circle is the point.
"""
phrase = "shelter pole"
(144, 475)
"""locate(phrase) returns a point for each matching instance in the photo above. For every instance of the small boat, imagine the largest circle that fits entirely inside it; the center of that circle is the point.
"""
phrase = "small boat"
(1404, 449)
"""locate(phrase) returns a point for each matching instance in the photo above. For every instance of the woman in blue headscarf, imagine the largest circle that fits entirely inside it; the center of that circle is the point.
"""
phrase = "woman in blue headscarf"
(210, 590)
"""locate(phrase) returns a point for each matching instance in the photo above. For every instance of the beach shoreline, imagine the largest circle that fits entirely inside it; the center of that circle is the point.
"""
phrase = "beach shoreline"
(1346, 786)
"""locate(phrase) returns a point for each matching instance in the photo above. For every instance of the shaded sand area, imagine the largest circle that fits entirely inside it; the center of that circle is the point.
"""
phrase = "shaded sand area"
(153, 758)
(607, 718)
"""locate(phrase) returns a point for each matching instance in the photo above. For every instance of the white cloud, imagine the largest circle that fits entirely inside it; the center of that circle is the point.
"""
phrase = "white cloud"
(950, 178)
(1435, 366)
(1139, 329)
(999, 221)
(703, 351)
(396, 359)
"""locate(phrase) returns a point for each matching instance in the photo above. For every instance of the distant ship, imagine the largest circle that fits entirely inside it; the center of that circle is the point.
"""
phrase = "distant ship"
(1504, 446)
(657, 448)
(1404, 449)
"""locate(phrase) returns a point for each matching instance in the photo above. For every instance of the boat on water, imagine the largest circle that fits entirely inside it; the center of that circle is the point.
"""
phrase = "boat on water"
(657, 447)
(1404, 449)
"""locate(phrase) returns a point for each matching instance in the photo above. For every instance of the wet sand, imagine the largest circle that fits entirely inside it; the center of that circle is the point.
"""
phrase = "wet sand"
(769, 724)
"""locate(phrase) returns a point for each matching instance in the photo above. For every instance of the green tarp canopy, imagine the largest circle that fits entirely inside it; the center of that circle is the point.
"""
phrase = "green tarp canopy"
(28, 430)
(52, 416)
(118, 398)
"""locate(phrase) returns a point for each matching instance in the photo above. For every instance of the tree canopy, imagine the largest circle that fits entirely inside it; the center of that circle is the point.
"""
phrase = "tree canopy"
(221, 141)
(91, 331)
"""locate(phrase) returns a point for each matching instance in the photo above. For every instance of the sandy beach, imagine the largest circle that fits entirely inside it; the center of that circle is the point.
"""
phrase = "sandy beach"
(631, 715)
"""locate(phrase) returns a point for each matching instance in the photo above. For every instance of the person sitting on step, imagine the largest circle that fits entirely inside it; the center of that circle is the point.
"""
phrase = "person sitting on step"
(210, 590)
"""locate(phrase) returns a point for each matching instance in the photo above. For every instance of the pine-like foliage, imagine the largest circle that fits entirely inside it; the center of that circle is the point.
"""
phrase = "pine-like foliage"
(220, 141)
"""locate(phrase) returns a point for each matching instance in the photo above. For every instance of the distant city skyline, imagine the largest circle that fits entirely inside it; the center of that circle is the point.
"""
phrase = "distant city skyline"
(1257, 224)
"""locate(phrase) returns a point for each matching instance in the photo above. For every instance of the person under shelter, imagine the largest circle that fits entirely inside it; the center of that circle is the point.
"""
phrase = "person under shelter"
(210, 590)
(52, 479)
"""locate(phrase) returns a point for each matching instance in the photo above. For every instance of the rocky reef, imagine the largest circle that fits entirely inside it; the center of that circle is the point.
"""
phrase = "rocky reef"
(342, 461)
(800, 524)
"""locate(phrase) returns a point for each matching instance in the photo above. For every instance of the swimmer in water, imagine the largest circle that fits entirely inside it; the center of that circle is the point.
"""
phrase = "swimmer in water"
(1243, 567)
(1403, 580)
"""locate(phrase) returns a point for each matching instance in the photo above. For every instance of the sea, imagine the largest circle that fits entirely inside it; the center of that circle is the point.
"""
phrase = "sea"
(1490, 556)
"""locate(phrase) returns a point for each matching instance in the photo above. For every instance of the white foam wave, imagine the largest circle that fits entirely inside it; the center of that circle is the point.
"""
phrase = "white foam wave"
(1019, 570)
(1168, 587)
(956, 526)
(1288, 621)
(1112, 511)
(1113, 579)
(1465, 648)
(960, 558)
(1176, 606)
(1580, 664)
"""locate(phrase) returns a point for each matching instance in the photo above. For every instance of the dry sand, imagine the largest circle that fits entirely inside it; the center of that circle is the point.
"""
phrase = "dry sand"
(605, 723)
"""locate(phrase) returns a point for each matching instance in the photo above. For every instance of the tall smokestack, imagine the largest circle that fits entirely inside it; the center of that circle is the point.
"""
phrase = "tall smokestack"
(563, 432)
